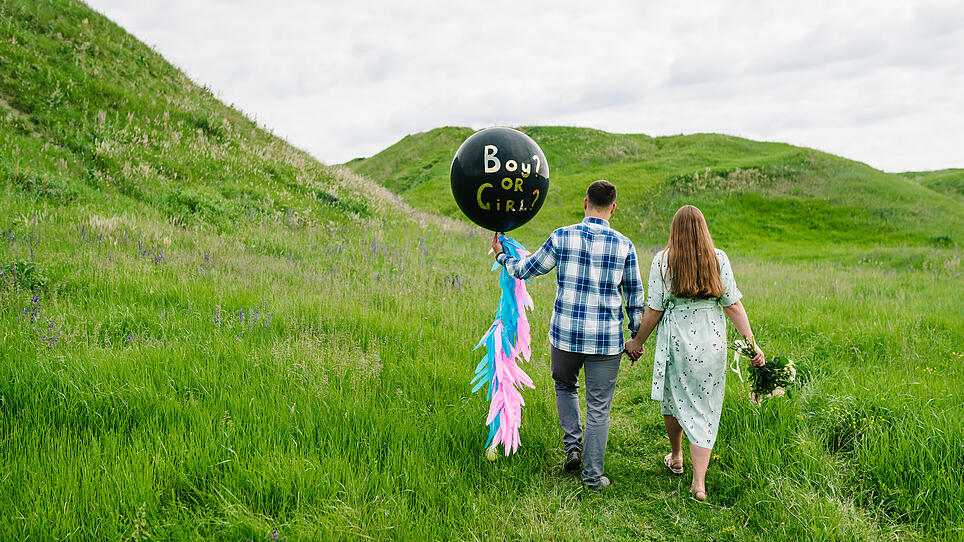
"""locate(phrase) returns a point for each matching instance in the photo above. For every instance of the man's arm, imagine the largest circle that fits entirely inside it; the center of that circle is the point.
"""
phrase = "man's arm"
(538, 263)
(633, 294)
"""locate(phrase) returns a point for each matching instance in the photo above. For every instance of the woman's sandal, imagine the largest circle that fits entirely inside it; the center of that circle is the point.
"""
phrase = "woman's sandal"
(670, 464)
(698, 494)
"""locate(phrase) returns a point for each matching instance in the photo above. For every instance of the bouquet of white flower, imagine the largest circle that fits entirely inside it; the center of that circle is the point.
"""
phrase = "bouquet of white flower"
(770, 380)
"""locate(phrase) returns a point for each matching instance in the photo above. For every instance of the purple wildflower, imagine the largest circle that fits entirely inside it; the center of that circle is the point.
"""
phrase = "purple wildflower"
(48, 337)
(208, 262)
(32, 311)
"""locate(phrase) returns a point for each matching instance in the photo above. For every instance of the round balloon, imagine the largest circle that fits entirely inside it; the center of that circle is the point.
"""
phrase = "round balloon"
(500, 178)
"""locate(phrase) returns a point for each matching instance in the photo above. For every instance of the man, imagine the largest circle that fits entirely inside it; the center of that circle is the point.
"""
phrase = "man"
(596, 270)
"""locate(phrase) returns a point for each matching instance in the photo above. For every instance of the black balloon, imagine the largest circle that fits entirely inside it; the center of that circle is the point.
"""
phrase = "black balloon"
(500, 178)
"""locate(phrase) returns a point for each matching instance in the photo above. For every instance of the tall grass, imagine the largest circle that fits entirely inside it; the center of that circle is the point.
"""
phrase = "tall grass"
(316, 382)
(204, 333)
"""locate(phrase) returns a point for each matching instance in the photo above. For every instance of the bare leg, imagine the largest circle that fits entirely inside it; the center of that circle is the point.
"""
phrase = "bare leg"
(701, 461)
(675, 432)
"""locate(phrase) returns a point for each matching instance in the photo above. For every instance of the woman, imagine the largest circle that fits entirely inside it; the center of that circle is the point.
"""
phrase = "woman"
(691, 286)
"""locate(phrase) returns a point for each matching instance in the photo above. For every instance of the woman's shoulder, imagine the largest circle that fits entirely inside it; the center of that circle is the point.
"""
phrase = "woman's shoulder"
(720, 255)
(660, 259)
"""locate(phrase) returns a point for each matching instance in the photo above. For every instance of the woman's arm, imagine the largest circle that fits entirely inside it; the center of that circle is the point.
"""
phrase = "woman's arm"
(737, 315)
(634, 346)
(650, 319)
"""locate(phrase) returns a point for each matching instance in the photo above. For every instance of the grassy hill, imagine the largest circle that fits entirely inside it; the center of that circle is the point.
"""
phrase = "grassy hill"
(206, 334)
(93, 116)
(757, 196)
(947, 181)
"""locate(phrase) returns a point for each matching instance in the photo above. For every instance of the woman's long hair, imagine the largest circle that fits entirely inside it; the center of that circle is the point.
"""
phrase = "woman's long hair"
(693, 268)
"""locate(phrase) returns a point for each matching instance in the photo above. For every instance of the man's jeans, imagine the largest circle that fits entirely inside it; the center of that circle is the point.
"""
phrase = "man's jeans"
(601, 373)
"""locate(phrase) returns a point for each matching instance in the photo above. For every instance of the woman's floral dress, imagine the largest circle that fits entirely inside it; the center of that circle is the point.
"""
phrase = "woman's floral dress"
(689, 372)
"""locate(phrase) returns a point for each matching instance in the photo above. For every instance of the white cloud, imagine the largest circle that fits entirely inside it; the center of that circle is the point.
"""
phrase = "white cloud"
(876, 81)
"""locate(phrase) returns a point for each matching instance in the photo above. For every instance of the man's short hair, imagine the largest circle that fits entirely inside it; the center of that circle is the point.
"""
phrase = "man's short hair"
(601, 194)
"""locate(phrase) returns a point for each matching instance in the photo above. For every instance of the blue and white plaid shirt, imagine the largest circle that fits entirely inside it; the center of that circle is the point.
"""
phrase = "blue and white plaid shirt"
(594, 263)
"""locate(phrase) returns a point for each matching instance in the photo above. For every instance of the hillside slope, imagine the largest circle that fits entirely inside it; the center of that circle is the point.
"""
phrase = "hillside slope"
(947, 181)
(206, 334)
(92, 115)
(755, 194)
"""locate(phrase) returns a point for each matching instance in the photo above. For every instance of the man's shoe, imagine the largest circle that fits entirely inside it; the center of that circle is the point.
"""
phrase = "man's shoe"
(573, 462)
(603, 482)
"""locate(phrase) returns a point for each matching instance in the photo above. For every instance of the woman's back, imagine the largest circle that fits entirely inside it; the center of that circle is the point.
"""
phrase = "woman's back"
(690, 360)
(660, 290)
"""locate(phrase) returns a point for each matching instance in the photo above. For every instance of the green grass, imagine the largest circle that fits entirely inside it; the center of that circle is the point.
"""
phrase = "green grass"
(206, 334)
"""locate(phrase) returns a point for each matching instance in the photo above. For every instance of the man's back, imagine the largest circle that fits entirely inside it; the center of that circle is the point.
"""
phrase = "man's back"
(596, 268)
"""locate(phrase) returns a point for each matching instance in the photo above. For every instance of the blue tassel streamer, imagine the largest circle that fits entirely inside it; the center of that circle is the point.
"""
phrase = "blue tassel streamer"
(506, 314)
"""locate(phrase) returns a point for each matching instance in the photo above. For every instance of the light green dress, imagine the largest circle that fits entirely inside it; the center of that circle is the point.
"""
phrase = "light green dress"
(689, 372)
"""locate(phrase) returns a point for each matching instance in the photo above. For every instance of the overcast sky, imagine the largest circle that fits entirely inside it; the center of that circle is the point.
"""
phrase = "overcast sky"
(878, 81)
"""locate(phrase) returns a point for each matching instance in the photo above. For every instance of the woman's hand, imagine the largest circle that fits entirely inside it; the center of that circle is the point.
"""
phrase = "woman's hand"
(737, 315)
(758, 360)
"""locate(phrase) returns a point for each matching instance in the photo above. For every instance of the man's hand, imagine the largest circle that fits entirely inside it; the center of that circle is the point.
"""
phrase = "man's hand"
(496, 245)
(633, 349)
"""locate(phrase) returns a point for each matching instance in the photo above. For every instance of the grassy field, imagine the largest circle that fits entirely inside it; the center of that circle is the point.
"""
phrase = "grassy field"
(204, 333)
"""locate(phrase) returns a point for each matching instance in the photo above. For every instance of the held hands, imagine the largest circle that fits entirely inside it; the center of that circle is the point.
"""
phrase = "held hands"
(634, 349)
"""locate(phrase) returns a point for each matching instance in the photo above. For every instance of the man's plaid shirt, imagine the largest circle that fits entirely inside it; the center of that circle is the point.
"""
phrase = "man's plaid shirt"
(594, 263)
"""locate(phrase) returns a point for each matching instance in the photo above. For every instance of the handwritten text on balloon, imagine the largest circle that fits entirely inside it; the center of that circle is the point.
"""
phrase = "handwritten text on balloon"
(507, 199)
